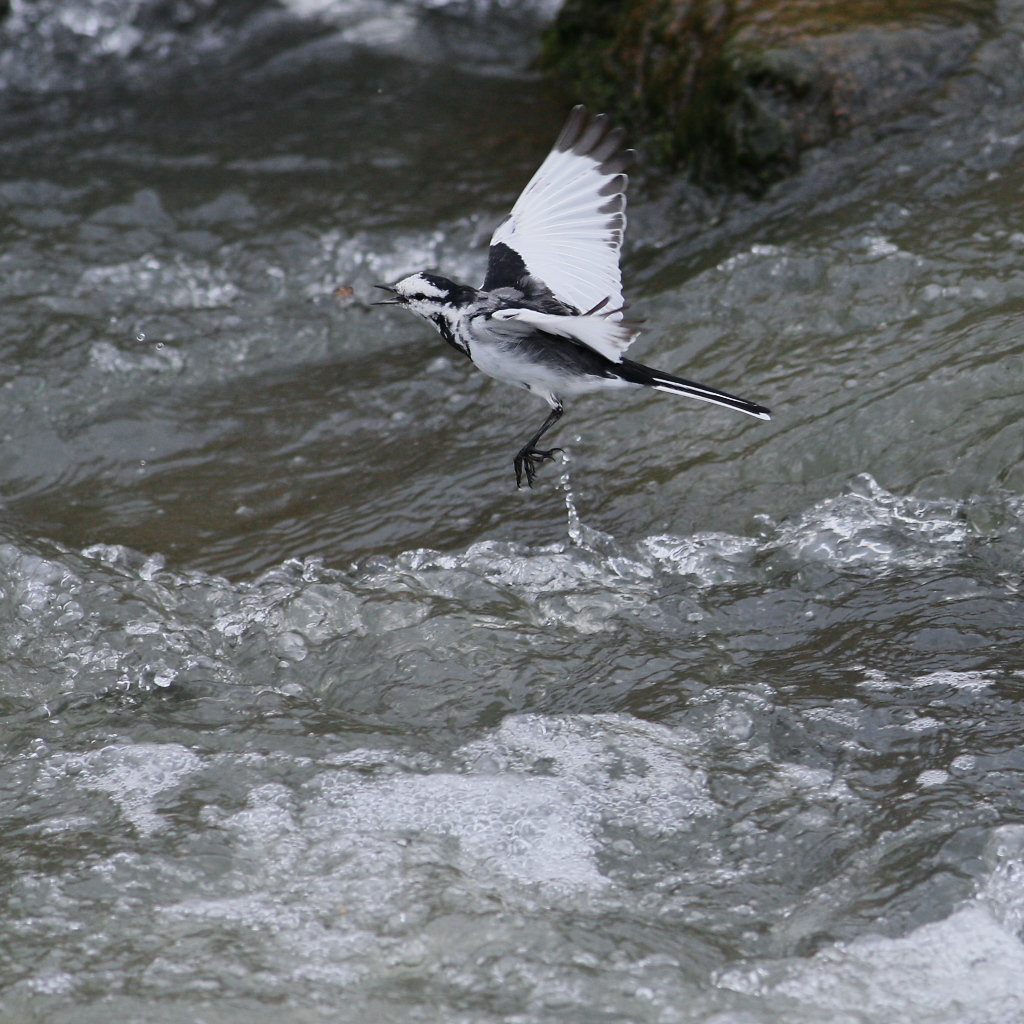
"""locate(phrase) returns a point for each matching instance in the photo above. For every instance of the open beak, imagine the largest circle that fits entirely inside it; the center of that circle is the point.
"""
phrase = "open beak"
(396, 301)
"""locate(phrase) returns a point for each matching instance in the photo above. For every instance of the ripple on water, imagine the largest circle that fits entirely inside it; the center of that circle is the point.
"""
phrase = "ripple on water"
(108, 619)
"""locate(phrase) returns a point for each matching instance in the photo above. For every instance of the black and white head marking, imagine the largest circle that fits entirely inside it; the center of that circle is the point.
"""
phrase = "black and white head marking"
(438, 300)
(424, 292)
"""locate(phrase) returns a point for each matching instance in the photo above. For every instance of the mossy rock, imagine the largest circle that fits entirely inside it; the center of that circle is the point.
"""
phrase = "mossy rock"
(737, 88)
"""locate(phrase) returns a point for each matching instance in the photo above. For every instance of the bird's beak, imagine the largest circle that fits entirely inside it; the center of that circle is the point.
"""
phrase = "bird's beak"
(396, 301)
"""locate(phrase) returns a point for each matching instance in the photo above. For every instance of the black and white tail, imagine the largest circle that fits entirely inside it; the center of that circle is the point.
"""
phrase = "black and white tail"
(637, 373)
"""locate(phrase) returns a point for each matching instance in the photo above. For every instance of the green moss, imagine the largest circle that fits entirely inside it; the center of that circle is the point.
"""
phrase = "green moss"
(654, 64)
(714, 85)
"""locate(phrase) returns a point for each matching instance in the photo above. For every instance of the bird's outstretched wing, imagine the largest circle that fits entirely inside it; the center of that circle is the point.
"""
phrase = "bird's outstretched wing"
(565, 230)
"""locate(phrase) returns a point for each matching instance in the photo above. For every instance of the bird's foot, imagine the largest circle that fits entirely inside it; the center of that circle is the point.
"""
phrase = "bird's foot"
(528, 460)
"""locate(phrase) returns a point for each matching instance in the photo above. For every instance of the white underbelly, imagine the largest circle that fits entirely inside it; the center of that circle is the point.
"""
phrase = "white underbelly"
(550, 383)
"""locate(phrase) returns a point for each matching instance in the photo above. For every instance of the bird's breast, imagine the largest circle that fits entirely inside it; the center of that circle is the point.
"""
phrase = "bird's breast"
(450, 334)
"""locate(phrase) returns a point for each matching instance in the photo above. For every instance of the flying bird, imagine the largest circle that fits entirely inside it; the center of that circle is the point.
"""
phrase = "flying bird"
(548, 317)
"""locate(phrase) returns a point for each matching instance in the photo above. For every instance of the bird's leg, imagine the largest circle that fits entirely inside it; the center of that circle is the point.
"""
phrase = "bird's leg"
(529, 456)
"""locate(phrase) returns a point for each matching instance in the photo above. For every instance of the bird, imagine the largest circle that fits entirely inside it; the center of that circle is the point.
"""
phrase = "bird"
(548, 317)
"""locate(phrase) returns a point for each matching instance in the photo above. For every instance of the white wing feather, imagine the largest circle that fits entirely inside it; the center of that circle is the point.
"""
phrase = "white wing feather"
(603, 334)
(567, 225)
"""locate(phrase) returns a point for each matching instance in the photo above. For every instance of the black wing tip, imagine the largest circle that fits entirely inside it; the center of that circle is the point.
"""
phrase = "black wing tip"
(608, 145)
(573, 128)
(592, 142)
(615, 185)
(618, 162)
(592, 136)
(616, 204)
(595, 140)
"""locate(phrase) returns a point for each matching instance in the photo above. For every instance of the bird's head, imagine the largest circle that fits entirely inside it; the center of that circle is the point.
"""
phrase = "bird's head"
(429, 295)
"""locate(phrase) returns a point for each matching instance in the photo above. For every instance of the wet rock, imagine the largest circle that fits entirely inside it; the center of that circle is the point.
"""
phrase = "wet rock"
(738, 89)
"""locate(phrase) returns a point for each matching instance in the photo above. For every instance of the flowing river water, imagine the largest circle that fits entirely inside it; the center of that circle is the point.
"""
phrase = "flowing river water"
(310, 715)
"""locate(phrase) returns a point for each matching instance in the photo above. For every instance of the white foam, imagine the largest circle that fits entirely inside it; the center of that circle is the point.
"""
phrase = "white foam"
(712, 557)
(878, 246)
(521, 829)
(527, 808)
(133, 776)
(872, 527)
(966, 681)
(177, 283)
(579, 589)
(110, 359)
(617, 769)
(421, 600)
(867, 527)
(966, 969)
(1003, 890)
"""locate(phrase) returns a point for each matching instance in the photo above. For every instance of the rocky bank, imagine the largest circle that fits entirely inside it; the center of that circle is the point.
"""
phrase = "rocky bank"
(738, 88)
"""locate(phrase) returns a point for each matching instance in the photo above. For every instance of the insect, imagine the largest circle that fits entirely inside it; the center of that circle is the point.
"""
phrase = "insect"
(548, 317)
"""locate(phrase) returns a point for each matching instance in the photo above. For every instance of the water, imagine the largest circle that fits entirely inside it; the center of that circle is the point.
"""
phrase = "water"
(309, 715)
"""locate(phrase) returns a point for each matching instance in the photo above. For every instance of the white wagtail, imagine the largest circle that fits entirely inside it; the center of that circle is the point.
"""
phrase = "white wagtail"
(548, 317)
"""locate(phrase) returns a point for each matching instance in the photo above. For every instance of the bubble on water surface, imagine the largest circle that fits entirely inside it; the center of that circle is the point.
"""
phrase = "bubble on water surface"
(133, 776)
(156, 284)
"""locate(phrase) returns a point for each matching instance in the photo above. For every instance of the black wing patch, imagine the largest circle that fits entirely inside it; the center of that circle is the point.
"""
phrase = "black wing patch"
(505, 268)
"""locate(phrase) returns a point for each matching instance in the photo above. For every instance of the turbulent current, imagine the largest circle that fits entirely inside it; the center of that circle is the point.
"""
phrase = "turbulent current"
(309, 715)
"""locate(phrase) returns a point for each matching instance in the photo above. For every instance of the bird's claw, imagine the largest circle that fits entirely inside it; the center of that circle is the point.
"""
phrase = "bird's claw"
(529, 459)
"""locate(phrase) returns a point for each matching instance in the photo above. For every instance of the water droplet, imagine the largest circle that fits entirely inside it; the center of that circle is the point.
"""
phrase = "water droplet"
(159, 345)
(575, 530)
(140, 337)
(142, 462)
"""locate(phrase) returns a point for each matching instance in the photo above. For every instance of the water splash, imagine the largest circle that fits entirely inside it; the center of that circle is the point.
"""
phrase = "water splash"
(584, 537)
(575, 528)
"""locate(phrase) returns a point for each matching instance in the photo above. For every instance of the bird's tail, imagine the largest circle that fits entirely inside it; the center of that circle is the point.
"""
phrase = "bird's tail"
(637, 373)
